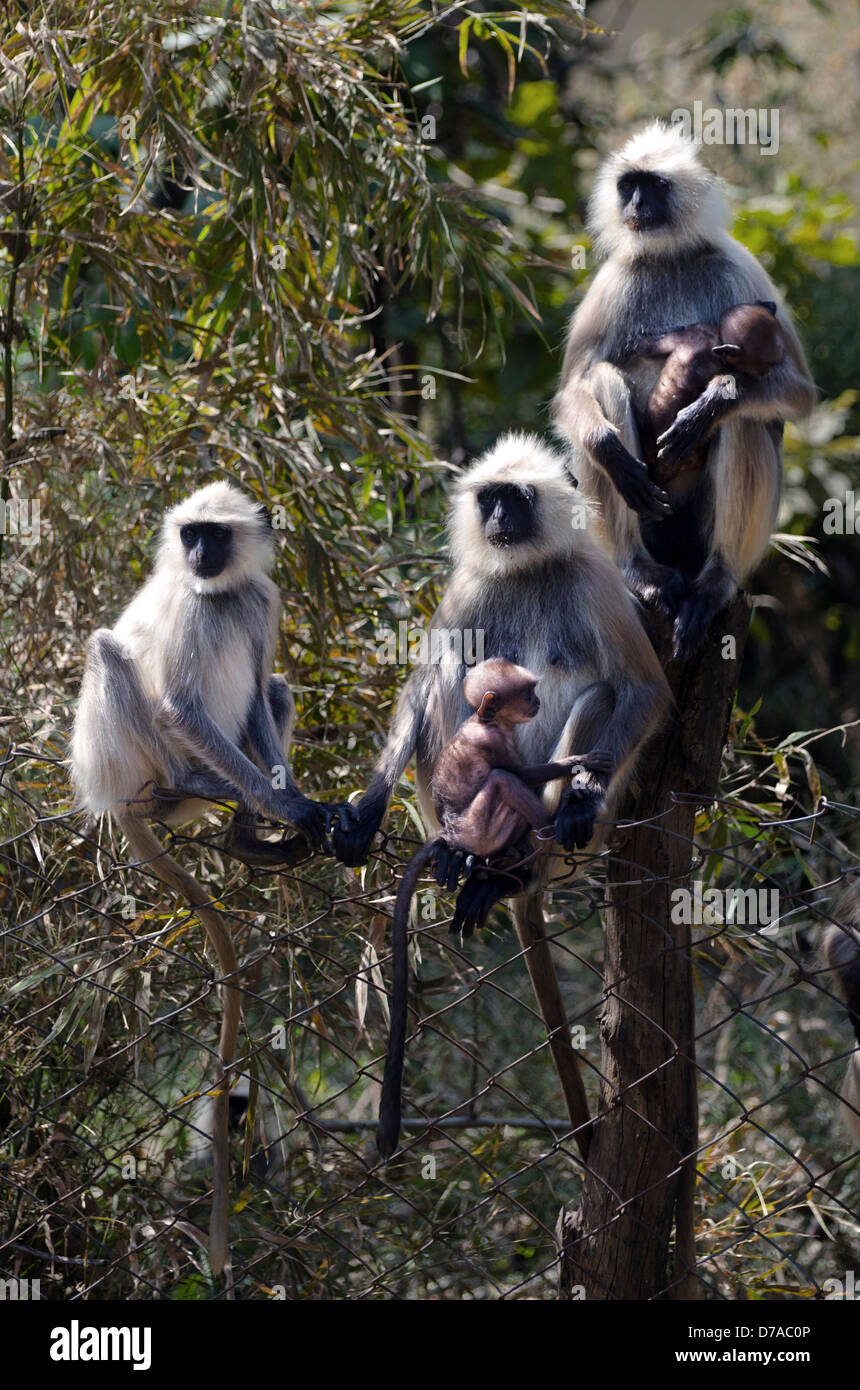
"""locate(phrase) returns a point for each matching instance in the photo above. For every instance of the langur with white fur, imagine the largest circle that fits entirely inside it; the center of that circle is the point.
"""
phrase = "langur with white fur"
(179, 708)
(658, 219)
(547, 597)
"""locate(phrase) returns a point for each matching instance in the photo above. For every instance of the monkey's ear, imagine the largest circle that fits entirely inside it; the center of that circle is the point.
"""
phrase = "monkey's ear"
(768, 304)
(265, 516)
(486, 710)
(727, 352)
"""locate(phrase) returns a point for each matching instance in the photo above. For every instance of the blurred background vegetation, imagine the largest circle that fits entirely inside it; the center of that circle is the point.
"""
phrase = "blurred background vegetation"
(330, 250)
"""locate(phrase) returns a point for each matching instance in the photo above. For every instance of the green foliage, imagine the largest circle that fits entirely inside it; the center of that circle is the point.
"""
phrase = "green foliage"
(326, 249)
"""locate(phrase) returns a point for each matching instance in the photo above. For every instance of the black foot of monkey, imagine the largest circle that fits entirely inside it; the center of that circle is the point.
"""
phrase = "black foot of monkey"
(486, 886)
(691, 626)
(450, 865)
(708, 595)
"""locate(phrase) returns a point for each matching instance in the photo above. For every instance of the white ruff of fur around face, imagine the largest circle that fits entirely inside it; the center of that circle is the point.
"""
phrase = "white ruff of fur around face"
(252, 550)
(699, 209)
(523, 460)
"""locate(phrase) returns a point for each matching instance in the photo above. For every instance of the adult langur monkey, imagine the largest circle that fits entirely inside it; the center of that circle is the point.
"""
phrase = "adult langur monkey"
(547, 597)
(841, 946)
(179, 707)
(658, 217)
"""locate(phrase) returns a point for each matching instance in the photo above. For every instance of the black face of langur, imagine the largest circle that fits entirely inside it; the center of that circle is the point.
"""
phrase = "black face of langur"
(207, 546)
(507, 513)
(645, 201)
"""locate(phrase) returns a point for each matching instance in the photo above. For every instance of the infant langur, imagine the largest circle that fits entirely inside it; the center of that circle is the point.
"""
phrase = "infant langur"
(483, 798)
(748, 341)
(481, 791)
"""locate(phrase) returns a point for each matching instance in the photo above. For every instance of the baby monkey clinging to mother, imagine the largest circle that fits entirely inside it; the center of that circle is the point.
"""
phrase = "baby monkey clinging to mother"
(481, 790)
(746, 341)
(483, 798)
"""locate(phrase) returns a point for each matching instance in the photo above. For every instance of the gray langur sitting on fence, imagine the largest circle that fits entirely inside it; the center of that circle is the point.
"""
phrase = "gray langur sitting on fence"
(545, 596)
(179, 708)
(658, 218)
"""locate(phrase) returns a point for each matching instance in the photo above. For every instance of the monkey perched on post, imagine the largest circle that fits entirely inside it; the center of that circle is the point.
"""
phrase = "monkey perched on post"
(484, 804)
(179, 708)
(659, 219)
(747, 341)
(527, 575)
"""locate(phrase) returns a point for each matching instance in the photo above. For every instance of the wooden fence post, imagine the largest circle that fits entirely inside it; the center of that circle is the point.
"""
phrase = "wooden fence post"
(640, 1178)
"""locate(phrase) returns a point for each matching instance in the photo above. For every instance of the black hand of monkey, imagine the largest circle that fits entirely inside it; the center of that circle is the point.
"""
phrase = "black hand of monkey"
(596, 761)
(689, 429)
(353, 833)
(313, 822)
(631, 480)
(574, 821)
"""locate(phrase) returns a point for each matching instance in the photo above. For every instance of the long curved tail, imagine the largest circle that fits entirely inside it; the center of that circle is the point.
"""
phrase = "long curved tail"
(148, 849)
(841, 945)
(388, 1129)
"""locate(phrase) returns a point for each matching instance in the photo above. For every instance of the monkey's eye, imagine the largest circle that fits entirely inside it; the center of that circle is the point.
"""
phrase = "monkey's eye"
(660, 181)
(486, 499)
(188, 534)
(220, 533)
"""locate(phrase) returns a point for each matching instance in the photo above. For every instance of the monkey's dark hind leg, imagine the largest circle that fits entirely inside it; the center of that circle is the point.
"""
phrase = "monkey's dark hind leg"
(243, 842)
(710, 592)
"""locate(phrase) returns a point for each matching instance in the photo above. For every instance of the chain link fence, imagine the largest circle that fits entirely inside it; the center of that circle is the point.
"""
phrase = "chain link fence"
(110, 1013)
